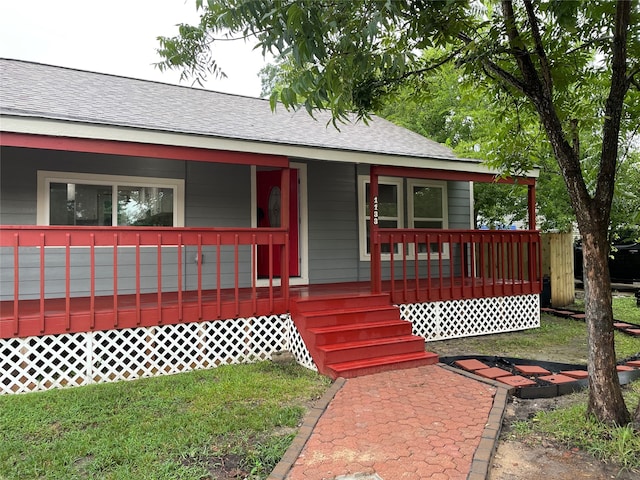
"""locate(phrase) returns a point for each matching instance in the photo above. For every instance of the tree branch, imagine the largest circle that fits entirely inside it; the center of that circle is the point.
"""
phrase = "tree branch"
(420, 71)
(613, 108)
(537, 39)
(520, 53)
(494, 68)
(576, 137)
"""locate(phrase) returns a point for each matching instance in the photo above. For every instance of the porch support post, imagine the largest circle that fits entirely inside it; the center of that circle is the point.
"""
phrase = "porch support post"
(374, 246)
(531, 204)
(535, 266)
(285, 194)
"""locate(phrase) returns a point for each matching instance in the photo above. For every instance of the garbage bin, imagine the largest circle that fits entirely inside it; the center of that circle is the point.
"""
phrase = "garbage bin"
(545, 295)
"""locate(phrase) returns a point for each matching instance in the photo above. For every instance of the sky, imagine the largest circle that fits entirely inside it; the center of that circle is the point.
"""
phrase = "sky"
(117, 37)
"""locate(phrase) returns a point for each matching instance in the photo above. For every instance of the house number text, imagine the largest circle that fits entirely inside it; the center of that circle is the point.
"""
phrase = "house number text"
(375, 210)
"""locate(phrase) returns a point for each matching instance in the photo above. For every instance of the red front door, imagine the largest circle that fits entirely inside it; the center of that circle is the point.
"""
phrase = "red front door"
(268, 203)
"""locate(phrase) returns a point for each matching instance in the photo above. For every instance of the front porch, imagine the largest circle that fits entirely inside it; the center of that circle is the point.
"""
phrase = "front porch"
(201, 315)
(79, 279)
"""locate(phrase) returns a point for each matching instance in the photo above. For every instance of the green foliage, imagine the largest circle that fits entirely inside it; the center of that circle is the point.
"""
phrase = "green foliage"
(392, 58)
(563, 72)
(167, 427)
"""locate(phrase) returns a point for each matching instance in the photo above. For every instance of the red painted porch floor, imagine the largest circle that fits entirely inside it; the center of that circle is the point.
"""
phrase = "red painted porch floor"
(424, 422)
(246, 296)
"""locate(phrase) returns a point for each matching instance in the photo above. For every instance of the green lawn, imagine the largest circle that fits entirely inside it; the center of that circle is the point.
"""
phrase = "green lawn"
(558, 339)
(174, 427)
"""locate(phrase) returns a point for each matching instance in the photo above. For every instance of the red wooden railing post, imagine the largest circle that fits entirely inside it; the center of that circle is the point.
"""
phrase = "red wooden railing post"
(199, 267)
(16, 283)
(42, 283)
(92, 301)
(67, 288)
(531, 206)
(285, 196)
(159, 279)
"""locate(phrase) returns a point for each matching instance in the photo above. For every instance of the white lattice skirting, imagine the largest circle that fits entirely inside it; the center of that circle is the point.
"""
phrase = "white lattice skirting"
(467, 318)
(55, 361)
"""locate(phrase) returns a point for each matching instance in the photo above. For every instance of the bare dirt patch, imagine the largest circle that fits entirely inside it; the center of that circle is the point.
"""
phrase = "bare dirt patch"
(538, 457)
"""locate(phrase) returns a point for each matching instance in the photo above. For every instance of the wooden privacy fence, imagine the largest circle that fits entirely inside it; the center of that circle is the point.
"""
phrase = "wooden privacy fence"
(557, 266)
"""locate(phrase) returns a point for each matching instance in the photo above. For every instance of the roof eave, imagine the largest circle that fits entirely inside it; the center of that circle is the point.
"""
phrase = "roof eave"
(39, 125)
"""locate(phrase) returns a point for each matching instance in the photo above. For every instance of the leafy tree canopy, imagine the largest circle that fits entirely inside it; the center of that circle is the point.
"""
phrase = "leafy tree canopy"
(570, 71)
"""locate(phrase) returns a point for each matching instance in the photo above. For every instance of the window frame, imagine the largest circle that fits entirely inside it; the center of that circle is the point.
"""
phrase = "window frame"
(411, 218)
(364, 217)
(45, 178)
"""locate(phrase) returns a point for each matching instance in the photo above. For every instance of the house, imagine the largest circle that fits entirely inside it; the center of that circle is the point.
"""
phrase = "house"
(149, 229)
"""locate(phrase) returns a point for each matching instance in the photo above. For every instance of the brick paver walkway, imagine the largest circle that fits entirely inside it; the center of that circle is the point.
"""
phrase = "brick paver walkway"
(420, 423)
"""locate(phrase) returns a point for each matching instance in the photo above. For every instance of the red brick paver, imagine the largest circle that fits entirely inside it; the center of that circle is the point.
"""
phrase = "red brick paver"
(557, 378)
(424, 422)
(517, 381)
(633, 363)
(471, 364)
(532, 370)
(624, 368)
(622, 325)
(492, 373)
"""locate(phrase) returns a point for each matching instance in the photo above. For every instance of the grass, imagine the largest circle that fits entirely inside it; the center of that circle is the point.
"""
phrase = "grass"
(624, 308)
(176, 427)
(557, 339)
(243, 417)
(572, 427)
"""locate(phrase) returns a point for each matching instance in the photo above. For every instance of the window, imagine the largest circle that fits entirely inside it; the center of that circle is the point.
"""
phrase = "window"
(106, 200)
(426, 203)
(390, 208)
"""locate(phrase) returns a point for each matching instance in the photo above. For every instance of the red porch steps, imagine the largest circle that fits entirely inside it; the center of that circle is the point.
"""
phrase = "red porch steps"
(354, 335)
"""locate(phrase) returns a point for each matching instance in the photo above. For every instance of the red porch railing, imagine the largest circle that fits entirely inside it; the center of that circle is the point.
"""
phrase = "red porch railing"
(455, 264)
(74, 279)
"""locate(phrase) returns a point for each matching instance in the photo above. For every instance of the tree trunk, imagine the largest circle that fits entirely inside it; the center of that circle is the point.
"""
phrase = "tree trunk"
(605, 396)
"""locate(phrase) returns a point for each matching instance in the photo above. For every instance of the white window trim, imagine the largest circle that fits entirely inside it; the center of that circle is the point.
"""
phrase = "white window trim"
(45, 178)
(414, 182)
(363, 216)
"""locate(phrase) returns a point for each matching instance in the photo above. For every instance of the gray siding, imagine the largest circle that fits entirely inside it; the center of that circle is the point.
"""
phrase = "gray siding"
(333, 222)
(216, 195)
(19, 169)
(459, 205)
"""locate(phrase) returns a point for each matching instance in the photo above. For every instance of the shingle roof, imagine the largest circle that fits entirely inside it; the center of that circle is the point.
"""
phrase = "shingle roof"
(43, 91)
